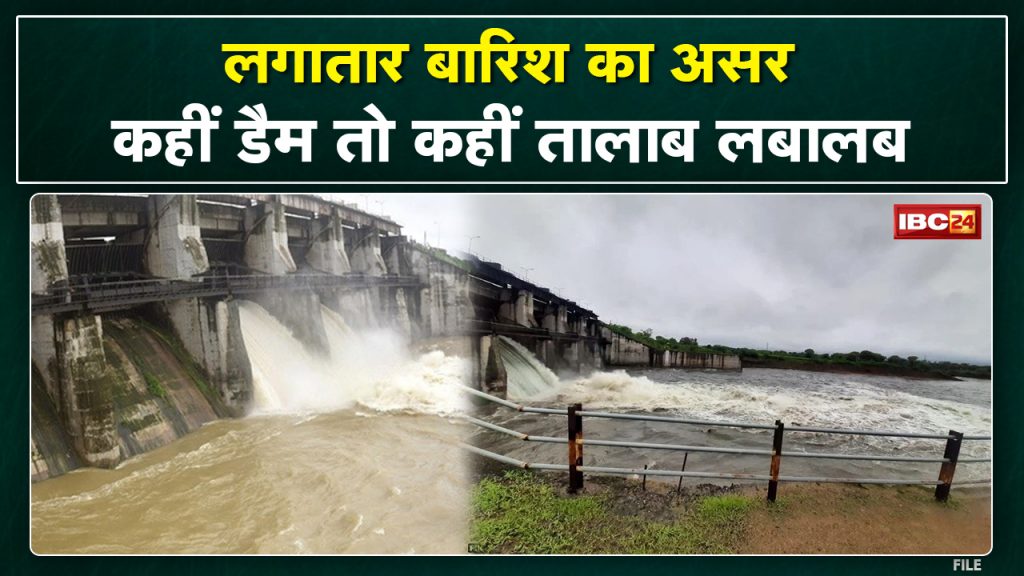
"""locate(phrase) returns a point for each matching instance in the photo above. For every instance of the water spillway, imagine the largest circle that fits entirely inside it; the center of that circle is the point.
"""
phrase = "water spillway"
(528, 377)
(372, 369)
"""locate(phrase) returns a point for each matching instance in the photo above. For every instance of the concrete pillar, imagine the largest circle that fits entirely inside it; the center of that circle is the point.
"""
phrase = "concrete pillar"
(174, 246)
(556, 319)
(266, 243)
(364, 254)
(48, 267)
(518, 308)
(524, 309)
(327, 248)
(46, 243)
(212, 334)
(86, 399)
(493, 377)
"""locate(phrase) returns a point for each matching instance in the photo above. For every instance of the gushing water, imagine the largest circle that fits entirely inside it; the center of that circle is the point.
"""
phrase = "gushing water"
(372, 369)
(759, 396)
(528, 377)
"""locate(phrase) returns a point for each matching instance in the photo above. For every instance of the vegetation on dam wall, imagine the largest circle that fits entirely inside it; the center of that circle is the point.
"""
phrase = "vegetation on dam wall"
(159, 394)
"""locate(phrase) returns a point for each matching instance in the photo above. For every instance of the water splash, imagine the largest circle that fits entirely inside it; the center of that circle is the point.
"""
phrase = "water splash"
(373, 369)
(527, 376)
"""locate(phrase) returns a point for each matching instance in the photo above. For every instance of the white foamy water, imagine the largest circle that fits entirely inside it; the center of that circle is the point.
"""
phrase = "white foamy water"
(527, 376)
(373, 369)
(796, 398)
(845, 401)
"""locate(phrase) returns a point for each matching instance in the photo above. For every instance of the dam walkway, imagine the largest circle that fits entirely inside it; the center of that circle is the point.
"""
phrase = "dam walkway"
(96, 295)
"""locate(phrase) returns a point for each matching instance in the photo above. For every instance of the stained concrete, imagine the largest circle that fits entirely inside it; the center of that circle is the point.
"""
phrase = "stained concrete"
(212, 334)
(174, 248)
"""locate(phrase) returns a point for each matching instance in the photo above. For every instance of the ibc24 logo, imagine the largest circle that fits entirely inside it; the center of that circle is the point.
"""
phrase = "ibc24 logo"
(937, 221)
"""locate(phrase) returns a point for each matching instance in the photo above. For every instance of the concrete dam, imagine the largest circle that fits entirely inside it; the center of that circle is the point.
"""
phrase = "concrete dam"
(155, 315)
(146, 309)
(521, 327)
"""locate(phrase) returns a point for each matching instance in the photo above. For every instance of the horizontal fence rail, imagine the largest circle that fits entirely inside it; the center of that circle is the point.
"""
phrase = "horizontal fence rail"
(576, 442)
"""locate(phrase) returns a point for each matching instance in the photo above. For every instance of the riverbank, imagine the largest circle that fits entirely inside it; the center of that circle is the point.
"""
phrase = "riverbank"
(847, 368)
(519, 512)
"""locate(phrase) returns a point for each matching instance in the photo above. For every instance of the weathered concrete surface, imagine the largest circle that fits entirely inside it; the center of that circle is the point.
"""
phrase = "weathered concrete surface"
(159, 392)
(174, 248)
(266, 245)
(364, 252)
(444, 305)
(327, 248)
(673, 359)
(212, 334)
(155, 393)
(46, 243)
(622, 351)
(518, 307)
(52, 451)
(86, 391)
(493, 378)
(44, 354)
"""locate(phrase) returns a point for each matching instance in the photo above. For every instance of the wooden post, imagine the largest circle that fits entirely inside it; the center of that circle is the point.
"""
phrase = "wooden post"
(952, 453)
(575, 448)
(773, 484)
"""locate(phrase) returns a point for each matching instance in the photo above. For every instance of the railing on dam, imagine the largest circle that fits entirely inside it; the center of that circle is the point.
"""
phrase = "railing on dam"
(106, 296)
(507, 329)
(575, 441)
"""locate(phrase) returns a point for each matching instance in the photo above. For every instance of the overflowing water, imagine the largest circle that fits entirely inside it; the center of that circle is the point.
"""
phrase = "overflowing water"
(373, 369)
(527, 376)
(762, 396)
(349, 452)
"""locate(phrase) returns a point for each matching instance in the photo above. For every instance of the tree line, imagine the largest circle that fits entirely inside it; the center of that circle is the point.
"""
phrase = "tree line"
(857, 359)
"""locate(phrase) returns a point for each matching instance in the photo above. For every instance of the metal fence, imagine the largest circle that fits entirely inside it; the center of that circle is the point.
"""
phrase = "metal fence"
(575, 441)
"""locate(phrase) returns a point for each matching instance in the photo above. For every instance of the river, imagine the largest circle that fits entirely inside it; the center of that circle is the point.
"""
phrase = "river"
(757, 395)
(354, 452)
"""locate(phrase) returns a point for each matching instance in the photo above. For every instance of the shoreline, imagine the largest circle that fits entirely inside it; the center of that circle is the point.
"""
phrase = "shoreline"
(849, 369)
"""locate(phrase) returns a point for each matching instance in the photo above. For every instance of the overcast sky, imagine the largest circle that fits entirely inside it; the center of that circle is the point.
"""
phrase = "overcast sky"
(786, 272)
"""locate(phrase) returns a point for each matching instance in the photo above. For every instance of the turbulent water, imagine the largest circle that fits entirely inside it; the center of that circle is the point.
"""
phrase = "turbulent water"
(762, 396)
(527, 376)
(355, 452)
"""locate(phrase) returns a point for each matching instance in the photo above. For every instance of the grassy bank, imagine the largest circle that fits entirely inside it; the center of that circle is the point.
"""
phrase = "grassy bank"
(525, 513)
(521, 512)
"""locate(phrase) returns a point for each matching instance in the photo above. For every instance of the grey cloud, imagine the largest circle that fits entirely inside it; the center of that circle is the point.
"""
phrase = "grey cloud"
(792, 271)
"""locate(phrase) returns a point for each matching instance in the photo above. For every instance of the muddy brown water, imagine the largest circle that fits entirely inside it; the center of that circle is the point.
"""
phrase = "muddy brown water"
(342, 482)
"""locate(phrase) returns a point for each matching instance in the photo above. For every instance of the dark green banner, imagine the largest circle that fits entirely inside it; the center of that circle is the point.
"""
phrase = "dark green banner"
(943, 79)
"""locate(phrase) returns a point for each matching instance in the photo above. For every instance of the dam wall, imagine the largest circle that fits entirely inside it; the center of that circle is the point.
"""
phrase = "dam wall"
(144, 391)
(110, 385)
(619, 350)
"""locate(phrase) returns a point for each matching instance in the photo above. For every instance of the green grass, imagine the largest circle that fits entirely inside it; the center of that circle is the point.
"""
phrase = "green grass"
(522, 514)
(154, 386)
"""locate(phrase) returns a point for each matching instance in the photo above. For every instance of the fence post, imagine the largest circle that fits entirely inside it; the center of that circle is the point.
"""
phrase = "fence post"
(773, 484)
(951, 454)
(575, 448)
